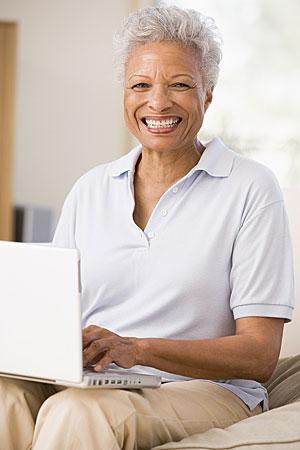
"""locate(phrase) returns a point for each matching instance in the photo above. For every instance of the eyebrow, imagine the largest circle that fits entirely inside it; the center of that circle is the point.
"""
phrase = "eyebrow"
(137, 75)
(182, 75)
(174, 76)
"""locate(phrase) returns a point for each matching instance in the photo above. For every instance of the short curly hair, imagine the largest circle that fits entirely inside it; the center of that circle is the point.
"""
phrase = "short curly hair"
(170, 23)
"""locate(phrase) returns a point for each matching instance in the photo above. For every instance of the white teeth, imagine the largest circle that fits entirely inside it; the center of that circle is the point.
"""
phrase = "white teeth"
(169, 123)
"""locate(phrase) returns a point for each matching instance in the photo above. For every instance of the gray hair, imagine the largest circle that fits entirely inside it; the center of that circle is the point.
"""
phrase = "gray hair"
(186, 27)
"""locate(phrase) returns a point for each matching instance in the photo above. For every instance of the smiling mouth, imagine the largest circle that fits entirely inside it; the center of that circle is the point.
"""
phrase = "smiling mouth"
(161, 124)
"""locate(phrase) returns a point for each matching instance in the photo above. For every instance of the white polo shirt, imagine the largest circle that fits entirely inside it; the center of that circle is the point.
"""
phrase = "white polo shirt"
(216, 248)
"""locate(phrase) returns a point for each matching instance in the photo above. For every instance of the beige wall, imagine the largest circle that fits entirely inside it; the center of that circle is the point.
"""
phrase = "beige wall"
(69, 106)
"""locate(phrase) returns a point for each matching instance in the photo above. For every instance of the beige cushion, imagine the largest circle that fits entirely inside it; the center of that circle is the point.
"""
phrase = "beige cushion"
(291, 336)
(284, 385)
(277, 429)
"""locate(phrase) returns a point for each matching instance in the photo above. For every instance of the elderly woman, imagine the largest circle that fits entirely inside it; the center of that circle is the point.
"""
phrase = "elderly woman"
(186, 262)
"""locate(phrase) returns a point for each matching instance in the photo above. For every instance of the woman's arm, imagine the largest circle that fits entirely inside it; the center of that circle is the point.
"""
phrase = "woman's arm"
(252, 353)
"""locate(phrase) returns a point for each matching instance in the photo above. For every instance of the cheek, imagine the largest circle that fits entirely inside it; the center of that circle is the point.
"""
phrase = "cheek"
(128, 112)
(130, 109)
(193, 104)
(127, 105)
(130, 106)
(199, 109)
(196, 112)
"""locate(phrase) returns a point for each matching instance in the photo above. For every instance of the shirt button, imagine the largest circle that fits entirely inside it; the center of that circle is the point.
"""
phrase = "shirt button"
(163, 212)
(151, 234)
(175, 189)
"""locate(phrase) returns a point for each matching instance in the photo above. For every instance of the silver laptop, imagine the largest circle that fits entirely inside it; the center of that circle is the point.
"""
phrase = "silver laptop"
(40, 320)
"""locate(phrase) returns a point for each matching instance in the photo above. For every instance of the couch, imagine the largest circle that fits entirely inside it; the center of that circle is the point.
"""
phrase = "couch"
(278, 428)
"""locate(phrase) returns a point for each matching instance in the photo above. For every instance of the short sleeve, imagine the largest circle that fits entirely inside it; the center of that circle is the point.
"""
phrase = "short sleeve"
(262, 275)
(64, 235)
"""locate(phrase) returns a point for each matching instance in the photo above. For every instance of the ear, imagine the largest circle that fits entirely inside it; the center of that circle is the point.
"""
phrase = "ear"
(208, 97)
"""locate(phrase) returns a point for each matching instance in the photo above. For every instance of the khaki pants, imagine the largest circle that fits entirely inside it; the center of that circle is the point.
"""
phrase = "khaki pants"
(37, 416)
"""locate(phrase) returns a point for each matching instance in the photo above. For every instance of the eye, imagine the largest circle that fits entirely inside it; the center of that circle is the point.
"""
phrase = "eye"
(140, 86)
(180, 86)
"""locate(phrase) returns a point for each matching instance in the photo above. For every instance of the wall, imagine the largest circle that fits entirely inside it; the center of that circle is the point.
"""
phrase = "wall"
(69, 106)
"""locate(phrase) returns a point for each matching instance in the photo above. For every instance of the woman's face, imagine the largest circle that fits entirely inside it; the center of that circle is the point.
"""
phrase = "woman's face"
(164, 100)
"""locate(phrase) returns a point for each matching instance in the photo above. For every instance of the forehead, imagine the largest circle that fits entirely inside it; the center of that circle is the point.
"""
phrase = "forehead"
(169, 58)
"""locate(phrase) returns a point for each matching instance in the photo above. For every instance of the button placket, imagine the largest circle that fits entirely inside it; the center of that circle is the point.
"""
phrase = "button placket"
(161, 211)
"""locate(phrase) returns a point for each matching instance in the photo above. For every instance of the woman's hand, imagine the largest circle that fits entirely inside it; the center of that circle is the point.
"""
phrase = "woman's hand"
(102, 347)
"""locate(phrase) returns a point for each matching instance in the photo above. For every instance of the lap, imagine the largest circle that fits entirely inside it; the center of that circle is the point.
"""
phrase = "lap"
(194, 400)
(176, 409)
(151, 417)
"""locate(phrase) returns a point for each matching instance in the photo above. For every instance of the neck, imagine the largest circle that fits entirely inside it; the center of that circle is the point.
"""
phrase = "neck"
(165, 168)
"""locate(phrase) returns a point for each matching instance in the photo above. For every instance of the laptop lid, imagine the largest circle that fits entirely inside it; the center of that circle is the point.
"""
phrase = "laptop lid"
(40, 314)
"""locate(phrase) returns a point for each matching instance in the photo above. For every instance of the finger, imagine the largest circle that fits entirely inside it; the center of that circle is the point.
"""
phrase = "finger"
(103, 363)
(87, 339)
(93, 362)
(95, 349)
(90, 329)
(90, 335)
(93, 333)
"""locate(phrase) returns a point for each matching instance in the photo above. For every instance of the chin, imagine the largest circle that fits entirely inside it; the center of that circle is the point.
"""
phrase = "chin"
(159, 144)
(159, 148)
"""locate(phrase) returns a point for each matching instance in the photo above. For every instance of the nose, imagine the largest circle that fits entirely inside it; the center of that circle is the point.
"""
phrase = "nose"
(159, 98)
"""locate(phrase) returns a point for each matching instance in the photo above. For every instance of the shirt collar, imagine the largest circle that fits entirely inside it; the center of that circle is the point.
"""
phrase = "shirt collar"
(126, 163)
(216, 160)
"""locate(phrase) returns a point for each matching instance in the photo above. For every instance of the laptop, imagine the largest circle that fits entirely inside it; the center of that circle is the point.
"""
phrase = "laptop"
(40, 321)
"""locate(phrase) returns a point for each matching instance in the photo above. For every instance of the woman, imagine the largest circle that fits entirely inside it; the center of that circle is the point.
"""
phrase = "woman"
(186, 261)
